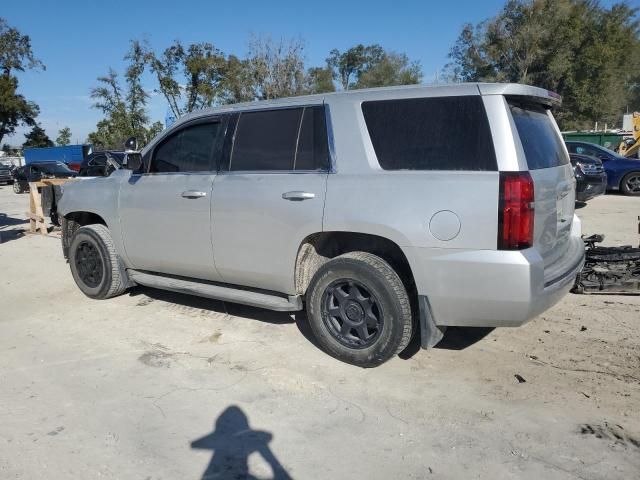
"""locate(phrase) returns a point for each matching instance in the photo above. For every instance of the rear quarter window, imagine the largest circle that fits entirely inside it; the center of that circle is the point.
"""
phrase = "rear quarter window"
(446, 133)
(541, 143)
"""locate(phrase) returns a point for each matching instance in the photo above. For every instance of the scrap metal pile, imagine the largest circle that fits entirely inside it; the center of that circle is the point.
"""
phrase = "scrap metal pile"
(609, 269)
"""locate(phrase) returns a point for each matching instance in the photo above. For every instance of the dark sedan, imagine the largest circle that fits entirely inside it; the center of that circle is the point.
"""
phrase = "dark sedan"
(5, 174)
(622, 173)
(33, 172)
(591, 179)
(97, 164)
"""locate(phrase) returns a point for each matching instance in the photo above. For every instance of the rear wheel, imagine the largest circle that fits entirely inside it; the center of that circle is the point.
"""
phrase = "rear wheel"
(17, 188)
(630, 184)
(359, 309)
(95, 265)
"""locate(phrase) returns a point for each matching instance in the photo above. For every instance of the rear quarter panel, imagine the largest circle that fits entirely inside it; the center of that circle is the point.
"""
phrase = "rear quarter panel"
(399, 205)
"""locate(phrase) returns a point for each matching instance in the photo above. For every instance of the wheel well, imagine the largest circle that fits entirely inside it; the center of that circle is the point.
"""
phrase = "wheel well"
(85, 218)
(74, 220)
(319, 248)
(624, 175)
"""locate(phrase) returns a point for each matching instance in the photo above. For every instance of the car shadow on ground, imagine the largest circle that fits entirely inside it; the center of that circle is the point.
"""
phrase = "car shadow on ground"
(455, 338)
(235, 309)
(232, 442)
(7, 232)
(6, 221)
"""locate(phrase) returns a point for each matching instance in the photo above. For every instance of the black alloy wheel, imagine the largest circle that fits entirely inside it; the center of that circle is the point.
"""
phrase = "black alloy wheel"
(352, 314)
(89, 264)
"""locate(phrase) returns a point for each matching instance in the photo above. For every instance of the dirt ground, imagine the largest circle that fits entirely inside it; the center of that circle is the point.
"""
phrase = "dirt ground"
(156, 385)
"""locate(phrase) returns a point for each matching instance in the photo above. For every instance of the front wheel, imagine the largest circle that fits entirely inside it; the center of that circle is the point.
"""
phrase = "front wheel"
(630, 184)
(95, 265)
(17, 188)
(359, 309)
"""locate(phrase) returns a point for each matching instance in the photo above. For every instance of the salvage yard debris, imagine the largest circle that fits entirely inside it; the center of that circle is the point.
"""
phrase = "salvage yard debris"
(613, 270)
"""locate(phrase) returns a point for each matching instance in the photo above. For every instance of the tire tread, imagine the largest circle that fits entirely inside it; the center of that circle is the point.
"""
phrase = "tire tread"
(396, 284)
(118, 284)
(396, 290)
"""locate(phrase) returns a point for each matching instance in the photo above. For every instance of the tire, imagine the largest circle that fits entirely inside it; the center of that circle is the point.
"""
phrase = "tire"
(95, 265)
(630, 184)
(17, 188)
(371, 320)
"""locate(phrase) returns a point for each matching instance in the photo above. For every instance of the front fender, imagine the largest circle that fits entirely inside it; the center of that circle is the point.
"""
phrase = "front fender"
(98, 196)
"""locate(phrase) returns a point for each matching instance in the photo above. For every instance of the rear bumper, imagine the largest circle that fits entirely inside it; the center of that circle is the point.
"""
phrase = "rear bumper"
(490, 288)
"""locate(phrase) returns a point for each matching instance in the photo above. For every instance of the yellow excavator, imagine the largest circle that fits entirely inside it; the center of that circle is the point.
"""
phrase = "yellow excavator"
(629, 147)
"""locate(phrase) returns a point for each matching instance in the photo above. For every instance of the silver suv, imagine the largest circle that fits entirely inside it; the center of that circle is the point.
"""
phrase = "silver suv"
(385, 213)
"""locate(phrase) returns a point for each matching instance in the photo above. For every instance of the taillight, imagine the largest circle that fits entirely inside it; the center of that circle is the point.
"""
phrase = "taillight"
(515, 211)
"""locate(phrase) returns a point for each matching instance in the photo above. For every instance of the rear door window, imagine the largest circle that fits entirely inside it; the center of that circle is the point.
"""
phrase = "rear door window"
(313, 151)
(542, 144)
(266, 140)
(281, 140)
(445, 133)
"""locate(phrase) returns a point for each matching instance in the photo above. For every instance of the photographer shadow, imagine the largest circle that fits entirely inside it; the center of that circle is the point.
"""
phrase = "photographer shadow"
(232, 442)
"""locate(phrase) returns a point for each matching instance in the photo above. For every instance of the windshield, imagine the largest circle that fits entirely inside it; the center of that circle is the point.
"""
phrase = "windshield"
(610, 152)
(592, 150)
(53, 167)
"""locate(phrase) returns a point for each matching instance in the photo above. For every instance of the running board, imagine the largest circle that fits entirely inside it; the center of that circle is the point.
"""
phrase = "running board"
(217, 292)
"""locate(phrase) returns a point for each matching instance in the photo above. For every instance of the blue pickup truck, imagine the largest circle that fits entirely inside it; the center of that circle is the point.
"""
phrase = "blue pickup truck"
(72, 155)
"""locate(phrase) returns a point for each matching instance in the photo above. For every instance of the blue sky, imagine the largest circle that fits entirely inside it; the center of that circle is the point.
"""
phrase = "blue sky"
(80, 40)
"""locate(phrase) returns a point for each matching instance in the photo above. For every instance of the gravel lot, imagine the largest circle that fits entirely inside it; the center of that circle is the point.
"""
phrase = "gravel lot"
(156, 385)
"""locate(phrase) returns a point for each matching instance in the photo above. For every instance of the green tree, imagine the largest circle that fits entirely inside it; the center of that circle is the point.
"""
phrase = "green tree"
(237, 84)
(64, 136)
(392, 69)
(190, 77)
(347, 66)
(372, 66)
(319, 80)
(37, 138)
(15, 56)
(125, 110)
(587, 53)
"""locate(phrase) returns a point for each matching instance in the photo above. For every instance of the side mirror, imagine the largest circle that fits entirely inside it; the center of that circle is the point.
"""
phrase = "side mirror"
(131, 144)
(134, 162)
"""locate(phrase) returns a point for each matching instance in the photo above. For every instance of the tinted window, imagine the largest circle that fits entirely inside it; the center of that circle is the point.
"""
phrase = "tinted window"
(188, 150)
(542, 145)
(53, 167)
(448, 133)
(313, 150)
(266, 140)
(591, 150)
(98, 160)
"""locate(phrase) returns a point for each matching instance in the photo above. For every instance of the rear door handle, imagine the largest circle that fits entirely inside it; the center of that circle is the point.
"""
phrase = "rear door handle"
(193, 194)
(298, 196)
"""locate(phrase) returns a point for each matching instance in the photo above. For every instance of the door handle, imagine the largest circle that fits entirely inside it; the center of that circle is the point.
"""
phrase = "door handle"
(298, 196)
(193, 194)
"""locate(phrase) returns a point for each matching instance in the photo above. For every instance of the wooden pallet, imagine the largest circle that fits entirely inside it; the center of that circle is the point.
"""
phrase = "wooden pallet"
(36, 216)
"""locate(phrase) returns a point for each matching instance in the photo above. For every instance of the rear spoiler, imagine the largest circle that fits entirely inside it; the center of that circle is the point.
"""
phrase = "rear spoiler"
(525, 92)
